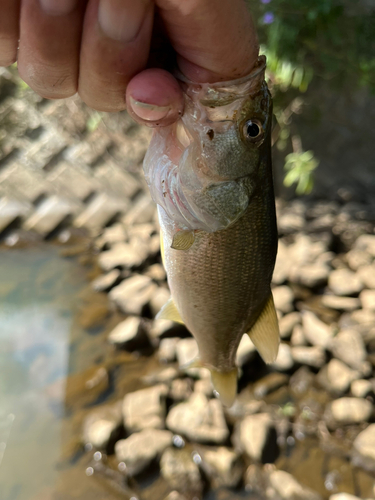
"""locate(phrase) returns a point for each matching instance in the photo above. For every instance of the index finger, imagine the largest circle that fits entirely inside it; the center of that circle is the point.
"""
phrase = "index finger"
(214, 40)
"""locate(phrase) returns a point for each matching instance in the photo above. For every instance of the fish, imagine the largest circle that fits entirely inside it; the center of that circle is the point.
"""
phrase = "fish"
(210, 174)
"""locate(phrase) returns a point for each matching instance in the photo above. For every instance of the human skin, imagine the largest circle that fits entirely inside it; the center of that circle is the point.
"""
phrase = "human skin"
(117, 53)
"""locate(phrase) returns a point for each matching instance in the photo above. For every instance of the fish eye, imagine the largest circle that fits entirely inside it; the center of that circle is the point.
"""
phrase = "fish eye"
(253, 130)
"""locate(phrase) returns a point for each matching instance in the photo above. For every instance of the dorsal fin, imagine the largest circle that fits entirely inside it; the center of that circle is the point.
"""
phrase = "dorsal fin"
(169, 311)
(265, 333)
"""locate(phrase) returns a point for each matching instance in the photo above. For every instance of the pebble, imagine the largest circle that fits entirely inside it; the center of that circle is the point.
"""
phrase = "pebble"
(316, 332)
(366, 243)
(269, 383)
(181, 389)
(106, 281)
(283, 298)
(224, 466)
(357, 258)
(163, 376)
(199, 419)
(364, 443)
(124, 255)
(145, 408)
(100, 426)
(255, 434)
(367, 275)
(182, 473)
(340, 303)
(112, 234)
(159, 298)
(246, 351)
(310, 356)
(348, 346)
(167, 349)
(343, 496)
(361, 388)
(284, 360)
(336, 376)
(310, 275)
(283, 264)
(175, 495)
(133, 294)
(187, 351)
(283, 486)
(128, 333)
(287, 324)
(351, 410)
(156, 272)
(298, 337)
(367, 298)
(141, 448)
(204, 386)
(164, 328)
(344, 282)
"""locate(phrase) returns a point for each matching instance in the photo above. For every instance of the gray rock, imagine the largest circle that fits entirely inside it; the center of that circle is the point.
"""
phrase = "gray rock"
(361, 388)
(310, 356)
(129, 332)
(366, 243)
(310, 275)
(367, 275)
(351, 410)
(106, 281)
(254, 435)
(101, 425)
(133, 294)
(159, 298)
(348, 346)
(224, 466)
(343, 496)
(367, 298)
(364, 443)
(145, 408)
(283, 298)
(298, 337)
(344, 282)
(246, 351)
(337, 376)
(284, 360)
(283, 486)
(180, 469)
(357, 258)
(287, 323)
(141, 448)
(199, 420)
(167, 349)
(316, 332)
(341, 303)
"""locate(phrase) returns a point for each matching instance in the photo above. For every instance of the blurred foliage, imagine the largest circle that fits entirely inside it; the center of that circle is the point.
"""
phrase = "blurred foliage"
(299, 167)
(93, 121)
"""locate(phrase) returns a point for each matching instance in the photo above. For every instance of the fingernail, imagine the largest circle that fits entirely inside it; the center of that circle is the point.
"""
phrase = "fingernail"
(149, 112)
(121, 19)
(58, 7)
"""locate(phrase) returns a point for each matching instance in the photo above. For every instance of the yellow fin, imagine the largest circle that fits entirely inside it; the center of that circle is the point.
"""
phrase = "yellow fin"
(169, 311)
(265, 333)
(182, 240)
(225, 383)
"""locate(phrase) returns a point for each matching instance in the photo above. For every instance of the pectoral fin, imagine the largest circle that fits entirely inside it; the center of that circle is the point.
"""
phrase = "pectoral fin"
(265, 333)
(225, 383)
(183, 240)
(169, 311)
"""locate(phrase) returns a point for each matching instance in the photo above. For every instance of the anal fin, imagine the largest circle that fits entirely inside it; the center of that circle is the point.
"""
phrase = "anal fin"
(225, 383)
(265, 333)
(183, 240)
(169, 311)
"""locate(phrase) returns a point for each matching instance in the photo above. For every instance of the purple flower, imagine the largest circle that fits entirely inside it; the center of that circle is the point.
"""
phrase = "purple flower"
(265, 1)
(268, 18)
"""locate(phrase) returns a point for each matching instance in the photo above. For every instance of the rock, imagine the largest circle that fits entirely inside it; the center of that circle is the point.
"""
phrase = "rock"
(224, 466)
(204, 386)
(336, 376)
(366, 243)
(199, 420)
(175, 495)
(284, 360)
(340, 303)
(106, 281)
(164, 328)
(348, 346)
(159, 298)
(311, 356)
(357, 258)
(256, 436)
(124, 255)
(351, 410)
(367, 275)
(290, 223)
(287, 323)
(133, 294)
(181, 389)
(180, 469)
(361, 388)
(246, 351)
(363, 317)
(283, 486)
(269, 383)
(100, 427)
(283, 298)
(163, 376)
(156, 272)
(145, 408)
(129, 333)
(282, 266)
(111, 235)
(344, 282)
(167, 349)
(316, 332)
(364, 443)
(367, 298)
(141, 448)
(343, 496)
(301, 381)
(298, 337)
(310, 275)
(187, 351)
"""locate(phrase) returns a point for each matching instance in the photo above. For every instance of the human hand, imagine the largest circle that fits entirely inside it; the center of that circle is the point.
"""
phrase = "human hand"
(101, 48)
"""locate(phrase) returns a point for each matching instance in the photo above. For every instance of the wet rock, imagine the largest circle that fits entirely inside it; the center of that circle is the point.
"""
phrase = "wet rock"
(367, 298)
(350, 410)
(287, 323)
(344, 282)
(199, 420)
(367, 275)
(310, 275)
(341, 303)
(343, 496)
(181, 389)
(361, 388)
(100, 427)
(256, 436)
(284, 360)
(133, 294)
(283, 486)
(348, 346)
(145, 408)
(180, 469)
(167, 349)
(364, 443)
(357, 258)
(366, 243)
(123, 254)
(159, 298)
(85, 388)
(310, 356)
(141, 448)
(130, 333)
(224, 466)
(106, 281)
(269, 383)
(298, 337)
(316, 332)
(283, 298)
(337, 376)
(246, 351)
